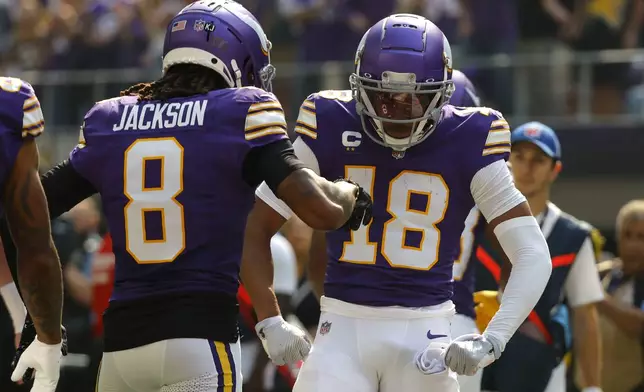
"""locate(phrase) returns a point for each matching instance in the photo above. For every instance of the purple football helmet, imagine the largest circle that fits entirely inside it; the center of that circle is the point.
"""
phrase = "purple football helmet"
(464, 91)
(224, 36)
(402, 78)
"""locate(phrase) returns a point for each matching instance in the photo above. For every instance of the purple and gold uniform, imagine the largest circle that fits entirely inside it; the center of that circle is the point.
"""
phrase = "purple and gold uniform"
(421, 200)
(388, 286)
(464, 267)
(176, 163)
(464, 271)
(398, 269)
(463, 322)
(170, 178)
(20, 118)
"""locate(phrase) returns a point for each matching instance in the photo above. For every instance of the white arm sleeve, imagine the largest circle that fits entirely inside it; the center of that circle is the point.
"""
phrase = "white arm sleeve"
(13, 302)
(525, 246)
(306, 155)
(285, 266)
(493, 190)
(583, 285)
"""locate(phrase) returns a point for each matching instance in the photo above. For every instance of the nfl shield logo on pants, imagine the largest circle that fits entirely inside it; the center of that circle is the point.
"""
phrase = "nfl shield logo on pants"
(325, 328)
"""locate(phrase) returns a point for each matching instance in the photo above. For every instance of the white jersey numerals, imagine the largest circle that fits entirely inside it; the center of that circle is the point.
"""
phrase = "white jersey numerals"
(161, 199)
(467, 242)
(404, 220)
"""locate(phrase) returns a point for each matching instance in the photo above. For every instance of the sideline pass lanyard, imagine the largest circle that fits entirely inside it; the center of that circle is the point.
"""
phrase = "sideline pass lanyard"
(541, 218)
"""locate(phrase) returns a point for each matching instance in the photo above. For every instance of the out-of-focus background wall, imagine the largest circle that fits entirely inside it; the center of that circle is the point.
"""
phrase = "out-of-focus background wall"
(575, 65)
(533, 60)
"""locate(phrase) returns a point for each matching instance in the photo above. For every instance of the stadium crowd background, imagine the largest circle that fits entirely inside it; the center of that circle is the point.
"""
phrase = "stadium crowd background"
(575, 65)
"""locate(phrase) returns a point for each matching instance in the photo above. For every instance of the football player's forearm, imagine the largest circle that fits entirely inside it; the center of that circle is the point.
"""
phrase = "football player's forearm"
(263, 298)
(588, 344)
(39, 271)
(321, 204)
(41, 287)
(343, 194)
(256, 270)
(39, 274)
(257, 276)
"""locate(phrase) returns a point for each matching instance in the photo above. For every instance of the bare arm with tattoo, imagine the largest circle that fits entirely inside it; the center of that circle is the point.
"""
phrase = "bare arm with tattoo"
(39, 271)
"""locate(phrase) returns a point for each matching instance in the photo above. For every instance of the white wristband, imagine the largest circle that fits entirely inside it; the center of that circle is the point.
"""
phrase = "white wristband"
(13, 301)
(592, 389)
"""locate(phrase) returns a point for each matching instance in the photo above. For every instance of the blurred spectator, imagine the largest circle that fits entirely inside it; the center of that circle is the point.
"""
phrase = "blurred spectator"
(448, 15)
(5, 27)
(264, 10)
(623, 309)
(156, 16)
(610, 24)
(490, 28)
(542, 24)
(635, 91)
(327, 31)
(31, 29)
(75, 236)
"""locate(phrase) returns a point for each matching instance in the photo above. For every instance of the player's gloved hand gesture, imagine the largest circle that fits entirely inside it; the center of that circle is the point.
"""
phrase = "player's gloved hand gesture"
(283, 342)
(362, 213)
(34, 355)
(44, 360)
(468, 353)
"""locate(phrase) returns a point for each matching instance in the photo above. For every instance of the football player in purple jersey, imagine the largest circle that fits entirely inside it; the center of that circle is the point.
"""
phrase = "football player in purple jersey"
(25, 207)
(176, 163)
(464, 321)
(386, 304)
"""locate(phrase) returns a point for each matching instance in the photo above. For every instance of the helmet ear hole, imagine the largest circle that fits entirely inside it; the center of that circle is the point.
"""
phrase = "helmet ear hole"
(249, 72)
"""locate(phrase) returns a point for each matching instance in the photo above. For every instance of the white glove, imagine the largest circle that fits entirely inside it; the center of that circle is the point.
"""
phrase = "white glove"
(283, 342)
(45, 360)
(468, 353)
(432, 359)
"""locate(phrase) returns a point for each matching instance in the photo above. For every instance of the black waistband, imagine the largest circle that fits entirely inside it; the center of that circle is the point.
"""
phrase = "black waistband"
(130, 324)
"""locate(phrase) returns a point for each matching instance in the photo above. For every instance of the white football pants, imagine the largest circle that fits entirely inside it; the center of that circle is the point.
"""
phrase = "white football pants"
(557, 382)
(463, 325)
(372, 349)
(174, 365)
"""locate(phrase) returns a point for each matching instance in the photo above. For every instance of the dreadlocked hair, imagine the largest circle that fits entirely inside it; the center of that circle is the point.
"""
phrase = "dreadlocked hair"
(181, 80)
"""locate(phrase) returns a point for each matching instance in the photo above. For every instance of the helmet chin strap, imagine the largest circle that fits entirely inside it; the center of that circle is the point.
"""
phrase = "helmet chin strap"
(236, 72)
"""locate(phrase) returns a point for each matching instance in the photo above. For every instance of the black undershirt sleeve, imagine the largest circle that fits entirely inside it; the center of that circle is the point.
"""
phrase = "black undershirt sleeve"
(271, 163)
(65, 188)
